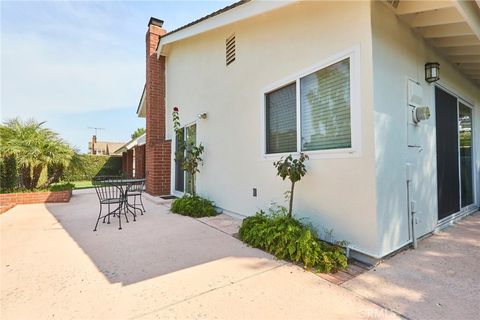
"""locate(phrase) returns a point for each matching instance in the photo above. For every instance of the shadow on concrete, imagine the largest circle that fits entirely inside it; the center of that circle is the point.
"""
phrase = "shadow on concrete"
(158, 243)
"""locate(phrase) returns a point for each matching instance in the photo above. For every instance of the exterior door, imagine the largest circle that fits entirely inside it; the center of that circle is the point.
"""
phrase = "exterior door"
(179, 173)
(183, 180)
(448, 186)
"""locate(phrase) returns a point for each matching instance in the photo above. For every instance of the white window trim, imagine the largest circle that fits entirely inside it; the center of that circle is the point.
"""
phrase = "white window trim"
(355, 101)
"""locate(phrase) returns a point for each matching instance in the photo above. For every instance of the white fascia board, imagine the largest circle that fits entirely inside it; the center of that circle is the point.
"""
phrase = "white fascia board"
(141, 111)
(142, 140)
(244, 11)
(470, 12)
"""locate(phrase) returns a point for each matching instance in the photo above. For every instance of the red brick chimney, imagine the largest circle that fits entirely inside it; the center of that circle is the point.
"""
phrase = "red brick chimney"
(157, 150)
(94, 141)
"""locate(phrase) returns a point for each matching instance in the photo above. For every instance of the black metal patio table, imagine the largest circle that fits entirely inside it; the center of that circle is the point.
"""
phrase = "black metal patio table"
(125, 185)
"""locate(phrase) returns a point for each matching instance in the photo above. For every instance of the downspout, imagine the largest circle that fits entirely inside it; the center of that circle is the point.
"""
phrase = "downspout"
(411, 205)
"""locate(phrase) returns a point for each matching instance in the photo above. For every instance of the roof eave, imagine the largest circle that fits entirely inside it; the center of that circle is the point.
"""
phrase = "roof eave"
(141, 104)
(237, 13)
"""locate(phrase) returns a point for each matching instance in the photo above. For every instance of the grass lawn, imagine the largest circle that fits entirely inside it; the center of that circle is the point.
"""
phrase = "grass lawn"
(82, 184)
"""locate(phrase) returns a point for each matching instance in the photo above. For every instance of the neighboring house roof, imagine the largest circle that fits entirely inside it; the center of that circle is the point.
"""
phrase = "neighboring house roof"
(141, 140)
(107, 147)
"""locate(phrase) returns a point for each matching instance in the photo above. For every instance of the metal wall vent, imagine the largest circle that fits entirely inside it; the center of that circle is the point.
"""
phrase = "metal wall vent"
(393, 3)
(230, 49)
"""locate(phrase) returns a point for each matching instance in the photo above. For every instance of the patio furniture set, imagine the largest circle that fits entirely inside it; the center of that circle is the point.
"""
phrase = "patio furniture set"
(119, 194)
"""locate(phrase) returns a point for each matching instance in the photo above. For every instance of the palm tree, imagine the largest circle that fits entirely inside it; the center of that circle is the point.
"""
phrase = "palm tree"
(34, 148)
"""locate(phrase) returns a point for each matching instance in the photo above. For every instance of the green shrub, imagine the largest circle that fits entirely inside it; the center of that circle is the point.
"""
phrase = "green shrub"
(91, 166)
(193, 206)
(61, 187)
(53, 187)
(8, 173)
(289, 239)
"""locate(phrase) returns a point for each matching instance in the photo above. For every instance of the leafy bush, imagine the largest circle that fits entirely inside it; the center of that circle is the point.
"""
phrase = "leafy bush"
(8, 173)
(193, 206)
(91, 166)
(61, 187)
(52, 187)
(287, 238)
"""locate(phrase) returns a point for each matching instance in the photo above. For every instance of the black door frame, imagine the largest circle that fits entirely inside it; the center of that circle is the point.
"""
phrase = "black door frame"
(474, 148)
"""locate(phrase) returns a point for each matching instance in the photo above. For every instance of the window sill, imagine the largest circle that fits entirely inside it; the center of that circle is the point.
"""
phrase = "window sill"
(320, 154)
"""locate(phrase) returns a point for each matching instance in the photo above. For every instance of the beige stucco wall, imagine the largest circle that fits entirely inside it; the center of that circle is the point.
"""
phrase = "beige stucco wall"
(399, 54)
(338, 193)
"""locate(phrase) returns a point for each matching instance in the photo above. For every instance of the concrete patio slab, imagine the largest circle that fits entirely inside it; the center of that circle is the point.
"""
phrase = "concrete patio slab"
(224, 223)
(286, 292)
(439, 280)
(163, 265)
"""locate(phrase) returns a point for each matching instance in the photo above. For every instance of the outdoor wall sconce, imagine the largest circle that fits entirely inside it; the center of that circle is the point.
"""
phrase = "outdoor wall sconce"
(202, 115)
(432, 72)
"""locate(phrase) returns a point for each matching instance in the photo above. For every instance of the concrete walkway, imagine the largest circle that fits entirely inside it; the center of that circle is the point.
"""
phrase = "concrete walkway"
(438, 280)
(162, 266)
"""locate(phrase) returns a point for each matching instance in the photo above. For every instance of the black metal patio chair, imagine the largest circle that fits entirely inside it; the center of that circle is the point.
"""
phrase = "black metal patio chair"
(110, 194)
(135, 190)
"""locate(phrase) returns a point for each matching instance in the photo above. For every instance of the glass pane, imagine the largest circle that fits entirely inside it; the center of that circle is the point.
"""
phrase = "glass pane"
(325, 108)
(281, 120)
(179, 173)
(191, 139)
(465, 136)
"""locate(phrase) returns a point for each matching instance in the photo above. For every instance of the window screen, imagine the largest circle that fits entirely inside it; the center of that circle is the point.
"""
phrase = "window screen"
(281, 120)
(325, 108)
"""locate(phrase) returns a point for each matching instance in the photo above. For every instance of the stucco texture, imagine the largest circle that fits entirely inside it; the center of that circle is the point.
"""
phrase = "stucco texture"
(338, 193)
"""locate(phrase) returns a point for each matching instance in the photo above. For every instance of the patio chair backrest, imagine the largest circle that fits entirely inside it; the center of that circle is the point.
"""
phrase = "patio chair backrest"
(108, 188)
(137, 187)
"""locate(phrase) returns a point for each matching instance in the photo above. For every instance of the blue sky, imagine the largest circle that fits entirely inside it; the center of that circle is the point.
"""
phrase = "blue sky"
(82, 64)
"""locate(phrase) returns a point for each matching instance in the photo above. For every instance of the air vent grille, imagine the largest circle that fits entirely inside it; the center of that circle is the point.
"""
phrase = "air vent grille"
(230, 49)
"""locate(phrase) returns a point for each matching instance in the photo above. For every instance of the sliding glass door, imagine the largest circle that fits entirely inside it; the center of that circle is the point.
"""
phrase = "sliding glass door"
(454, 153)
(466, 147)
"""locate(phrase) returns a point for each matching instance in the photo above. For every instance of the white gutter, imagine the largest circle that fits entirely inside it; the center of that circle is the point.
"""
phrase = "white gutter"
(139, 141)
(141, 106)
(244, 11)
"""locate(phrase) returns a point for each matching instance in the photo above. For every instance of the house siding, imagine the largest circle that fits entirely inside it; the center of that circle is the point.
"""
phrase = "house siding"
(399, 54)
(337, 193)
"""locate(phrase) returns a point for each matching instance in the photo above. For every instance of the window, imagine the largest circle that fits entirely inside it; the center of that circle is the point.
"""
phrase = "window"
(281, 120)
(314, 112)
(325, 108)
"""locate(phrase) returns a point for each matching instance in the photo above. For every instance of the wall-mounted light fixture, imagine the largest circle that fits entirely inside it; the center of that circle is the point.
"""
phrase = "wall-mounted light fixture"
(432, 72)
(202, 115)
